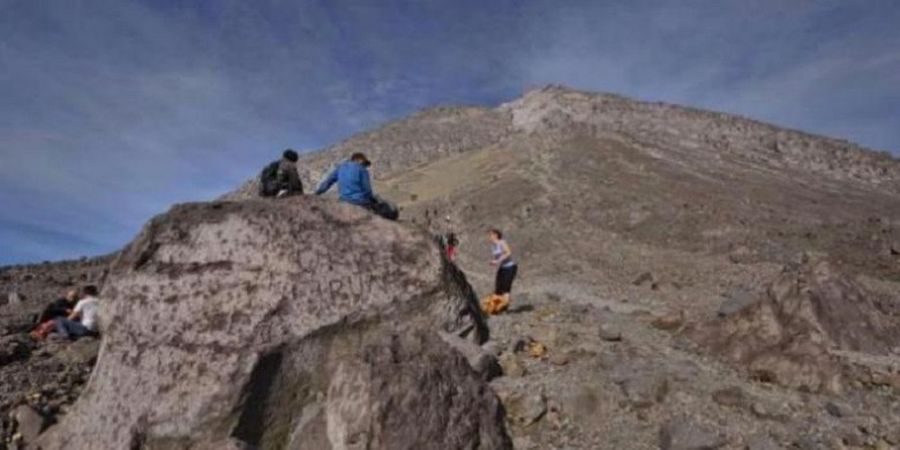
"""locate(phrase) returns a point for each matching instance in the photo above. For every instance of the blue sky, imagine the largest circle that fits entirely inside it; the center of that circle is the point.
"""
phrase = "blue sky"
(111, 110)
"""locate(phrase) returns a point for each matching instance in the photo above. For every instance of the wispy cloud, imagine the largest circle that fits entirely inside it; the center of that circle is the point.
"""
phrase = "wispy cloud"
(112, 110)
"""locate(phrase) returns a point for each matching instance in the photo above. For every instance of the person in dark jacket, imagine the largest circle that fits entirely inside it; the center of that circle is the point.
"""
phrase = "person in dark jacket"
(355, 186)
(280, 178)
(60, 307)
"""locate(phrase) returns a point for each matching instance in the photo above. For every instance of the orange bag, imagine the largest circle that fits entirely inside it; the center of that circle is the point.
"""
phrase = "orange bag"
(494, 304)
(43, 330)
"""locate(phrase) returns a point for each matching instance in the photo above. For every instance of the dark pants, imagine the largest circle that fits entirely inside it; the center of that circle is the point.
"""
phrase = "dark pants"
(505, 277)
(71, 329)
(381, 207)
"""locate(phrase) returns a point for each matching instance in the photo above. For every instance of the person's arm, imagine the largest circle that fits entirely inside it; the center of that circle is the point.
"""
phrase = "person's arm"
(327, 182)
(77, 311)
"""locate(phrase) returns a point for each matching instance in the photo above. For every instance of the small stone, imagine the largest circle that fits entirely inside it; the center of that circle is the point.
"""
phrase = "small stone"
(643, 279)
(29, 422)
(645, 389)
(559, 359)
(685, 434)
(537, 350)
(838, 409)
(526, 408)
(511, 366)
(519, 345)
(731, 396)
(609, 334)
(740, 254)
(736, 301)
(669, 322)
(760, 410)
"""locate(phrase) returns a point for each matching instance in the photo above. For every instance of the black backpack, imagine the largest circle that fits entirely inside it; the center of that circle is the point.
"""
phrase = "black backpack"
(269, 185)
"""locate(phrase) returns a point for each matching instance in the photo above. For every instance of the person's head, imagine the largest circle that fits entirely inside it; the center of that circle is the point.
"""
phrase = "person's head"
(290, 155)
(361, 159)
(495, 235)
(72, 295)
(90, 291)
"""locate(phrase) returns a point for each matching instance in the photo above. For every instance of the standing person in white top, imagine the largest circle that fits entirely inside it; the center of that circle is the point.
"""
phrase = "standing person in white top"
(83, 319)
(507, 268)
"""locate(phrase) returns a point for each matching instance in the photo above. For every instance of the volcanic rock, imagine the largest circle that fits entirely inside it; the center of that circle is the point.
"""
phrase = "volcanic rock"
(609, 333)
(268, 321)
(809, 312)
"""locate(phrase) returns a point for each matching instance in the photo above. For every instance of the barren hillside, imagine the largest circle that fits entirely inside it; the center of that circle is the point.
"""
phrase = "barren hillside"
(698, 280)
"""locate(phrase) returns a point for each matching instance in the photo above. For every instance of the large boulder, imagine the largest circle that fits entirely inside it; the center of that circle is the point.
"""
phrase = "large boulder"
(283, 324)
(802, 330)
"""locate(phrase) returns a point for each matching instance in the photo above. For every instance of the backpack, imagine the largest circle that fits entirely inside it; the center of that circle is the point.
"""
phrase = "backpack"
(269, 184)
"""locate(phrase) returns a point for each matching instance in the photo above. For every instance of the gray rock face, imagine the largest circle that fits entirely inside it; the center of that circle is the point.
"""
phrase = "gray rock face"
(262, 322)
(482, 361)
(790, 337)
(762, 442)
(736, 301)
(643, 385)
(684, 434)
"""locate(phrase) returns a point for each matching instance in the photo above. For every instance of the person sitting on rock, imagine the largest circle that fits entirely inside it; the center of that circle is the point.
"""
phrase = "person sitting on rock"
(355, 186)
(83, 319)
(280, 178)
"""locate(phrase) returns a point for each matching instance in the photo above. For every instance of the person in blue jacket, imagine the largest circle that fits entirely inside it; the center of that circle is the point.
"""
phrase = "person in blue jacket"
(355, 186)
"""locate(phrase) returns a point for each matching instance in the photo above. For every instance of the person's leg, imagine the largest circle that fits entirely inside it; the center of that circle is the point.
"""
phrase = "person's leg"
(384, 209)
(77, 330)
(508, 282)
(62, 327)
(498, 282)
(70, 329)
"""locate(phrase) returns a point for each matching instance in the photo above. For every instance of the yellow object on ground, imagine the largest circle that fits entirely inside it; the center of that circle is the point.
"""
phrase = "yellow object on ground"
(494, 304)
(536, 349)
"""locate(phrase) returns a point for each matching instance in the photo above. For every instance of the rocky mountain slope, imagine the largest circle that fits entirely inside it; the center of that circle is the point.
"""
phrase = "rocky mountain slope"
(695, 279)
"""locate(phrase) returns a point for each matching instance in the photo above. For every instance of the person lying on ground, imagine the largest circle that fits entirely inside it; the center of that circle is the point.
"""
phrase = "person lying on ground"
(83, 319)
(280, 178)
(60, 307)
(355, 186)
